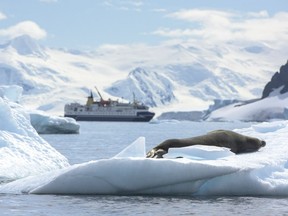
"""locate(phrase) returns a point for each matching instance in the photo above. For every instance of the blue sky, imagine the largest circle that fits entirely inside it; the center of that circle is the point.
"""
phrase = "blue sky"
(84, 24)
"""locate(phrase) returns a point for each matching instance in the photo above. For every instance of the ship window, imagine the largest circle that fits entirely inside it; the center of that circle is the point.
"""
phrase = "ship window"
(75, 109)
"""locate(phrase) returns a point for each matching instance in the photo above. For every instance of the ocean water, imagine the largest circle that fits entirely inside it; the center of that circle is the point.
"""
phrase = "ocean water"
(99, 140)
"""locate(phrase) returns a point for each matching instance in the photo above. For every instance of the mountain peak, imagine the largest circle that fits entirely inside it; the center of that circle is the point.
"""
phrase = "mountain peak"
(279, 79)
(151, 88)
(138, 71)
(25, 45)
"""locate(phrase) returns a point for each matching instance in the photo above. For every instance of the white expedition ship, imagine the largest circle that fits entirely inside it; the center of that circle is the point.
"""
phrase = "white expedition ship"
(108, 110)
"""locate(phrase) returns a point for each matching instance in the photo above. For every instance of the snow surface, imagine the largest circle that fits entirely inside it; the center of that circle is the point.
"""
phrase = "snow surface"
(12, 93)
(23, 152)
(272, 107)
(151, 88)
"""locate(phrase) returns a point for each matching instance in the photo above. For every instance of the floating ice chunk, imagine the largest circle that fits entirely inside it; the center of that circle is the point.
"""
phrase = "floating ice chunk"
(136, 149)
(125, 176)
(46, 124)
(267, 127)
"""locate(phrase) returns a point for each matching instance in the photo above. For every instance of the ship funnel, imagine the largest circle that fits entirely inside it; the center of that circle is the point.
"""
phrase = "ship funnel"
(90, 99)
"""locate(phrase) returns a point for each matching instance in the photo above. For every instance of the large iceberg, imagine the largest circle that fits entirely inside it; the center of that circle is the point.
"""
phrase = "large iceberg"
(23, 152)
(210, 171)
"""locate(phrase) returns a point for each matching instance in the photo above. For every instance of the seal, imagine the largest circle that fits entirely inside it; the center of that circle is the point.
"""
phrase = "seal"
(237, 143)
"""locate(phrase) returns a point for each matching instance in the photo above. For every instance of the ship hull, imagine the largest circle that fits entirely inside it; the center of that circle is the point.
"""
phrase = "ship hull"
(141, 118)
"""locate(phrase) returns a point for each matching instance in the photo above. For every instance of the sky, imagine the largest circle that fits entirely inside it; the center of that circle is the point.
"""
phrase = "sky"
(88, 24)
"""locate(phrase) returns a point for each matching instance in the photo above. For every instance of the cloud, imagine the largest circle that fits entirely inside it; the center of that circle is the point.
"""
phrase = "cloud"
(124, 5)
(26, 27)
(167, 32)
(259, 14)
(204, 16)
(267, 29)
(135, 3)
(2, 16)
(221, 26)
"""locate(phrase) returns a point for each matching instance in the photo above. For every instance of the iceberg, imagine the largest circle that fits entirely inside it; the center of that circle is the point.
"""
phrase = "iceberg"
(47, 124)
(41, 121)
(206, 172)
(23, 152)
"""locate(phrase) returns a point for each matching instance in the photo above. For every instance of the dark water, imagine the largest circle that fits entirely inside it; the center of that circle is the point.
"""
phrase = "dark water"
(99, 140)
(104, 140)
(140, 205)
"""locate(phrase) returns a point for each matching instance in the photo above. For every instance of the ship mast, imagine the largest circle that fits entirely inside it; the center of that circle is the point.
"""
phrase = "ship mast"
(102, 101)
(101, 98)
(134, 100)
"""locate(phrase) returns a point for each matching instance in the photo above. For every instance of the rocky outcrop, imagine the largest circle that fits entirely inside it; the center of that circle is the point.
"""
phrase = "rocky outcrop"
(278, 80)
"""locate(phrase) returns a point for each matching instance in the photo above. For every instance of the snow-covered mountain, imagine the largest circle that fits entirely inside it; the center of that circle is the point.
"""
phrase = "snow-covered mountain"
(272, 105)
(168, 77)
(279, 79)
(152, 88)
(50, 78)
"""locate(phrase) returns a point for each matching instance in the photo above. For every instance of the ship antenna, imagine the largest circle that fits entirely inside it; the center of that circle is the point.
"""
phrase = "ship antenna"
(134, 100)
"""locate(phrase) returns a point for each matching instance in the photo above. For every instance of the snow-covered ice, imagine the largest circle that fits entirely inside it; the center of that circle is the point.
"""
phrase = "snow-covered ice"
(40, 120)
(267, 109)
(11, 92)
(47, 124)
(202, 171)
(23, 152)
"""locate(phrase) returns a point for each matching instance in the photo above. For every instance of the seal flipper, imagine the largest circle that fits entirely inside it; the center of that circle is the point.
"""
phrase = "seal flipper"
(156, 153)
